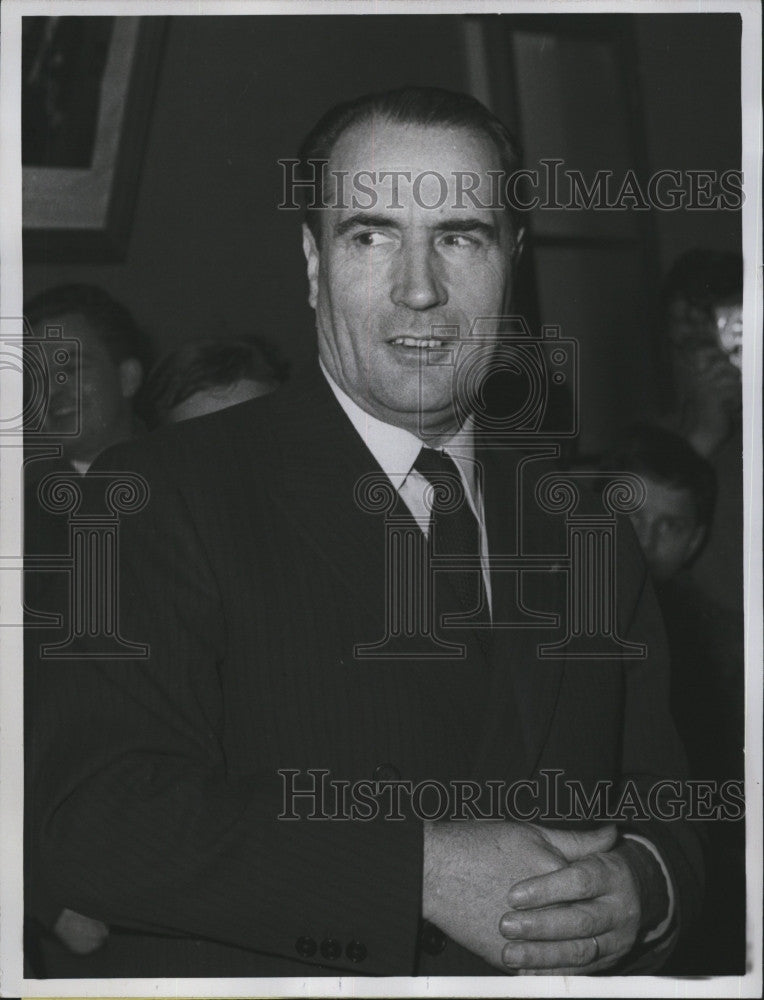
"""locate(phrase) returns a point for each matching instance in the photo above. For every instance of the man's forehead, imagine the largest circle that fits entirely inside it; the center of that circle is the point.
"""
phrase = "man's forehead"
(378, 144)
(388, 166)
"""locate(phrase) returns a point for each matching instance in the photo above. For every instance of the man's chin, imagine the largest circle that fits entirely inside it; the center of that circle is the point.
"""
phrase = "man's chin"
(418, 410)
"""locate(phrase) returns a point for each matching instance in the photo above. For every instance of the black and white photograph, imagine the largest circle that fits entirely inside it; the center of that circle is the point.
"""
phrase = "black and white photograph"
(380, 498)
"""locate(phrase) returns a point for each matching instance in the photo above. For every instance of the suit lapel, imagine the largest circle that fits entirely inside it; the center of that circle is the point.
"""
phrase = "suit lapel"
(337, 496)
(322, 463)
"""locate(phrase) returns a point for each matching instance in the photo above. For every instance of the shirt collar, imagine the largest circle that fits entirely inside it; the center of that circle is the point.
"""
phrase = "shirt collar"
(395, 448)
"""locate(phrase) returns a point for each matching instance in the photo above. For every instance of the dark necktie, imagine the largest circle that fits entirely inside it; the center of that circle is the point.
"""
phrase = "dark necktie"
(454, 528)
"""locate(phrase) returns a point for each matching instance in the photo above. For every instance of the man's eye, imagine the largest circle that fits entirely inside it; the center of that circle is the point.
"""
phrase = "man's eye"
(371, 239)
(460, 241)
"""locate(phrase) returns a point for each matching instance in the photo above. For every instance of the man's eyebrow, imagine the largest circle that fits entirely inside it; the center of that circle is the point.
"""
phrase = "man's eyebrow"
(467, 226)
(363, 219)
(452, 225)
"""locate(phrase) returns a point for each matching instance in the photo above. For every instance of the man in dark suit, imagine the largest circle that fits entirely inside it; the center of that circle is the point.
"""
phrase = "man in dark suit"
(177, 786)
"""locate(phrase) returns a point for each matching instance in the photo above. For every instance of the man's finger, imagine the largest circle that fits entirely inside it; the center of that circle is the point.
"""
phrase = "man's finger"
(578, 955)
(583, 880)
(557, 923)
(575, 844)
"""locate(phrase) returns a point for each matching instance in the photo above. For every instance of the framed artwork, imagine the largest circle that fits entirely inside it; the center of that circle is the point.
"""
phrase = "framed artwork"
(88, 85)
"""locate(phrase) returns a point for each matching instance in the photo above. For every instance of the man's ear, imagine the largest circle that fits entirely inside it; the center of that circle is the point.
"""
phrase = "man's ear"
(310, 250)
(518, 237)
(130, 377)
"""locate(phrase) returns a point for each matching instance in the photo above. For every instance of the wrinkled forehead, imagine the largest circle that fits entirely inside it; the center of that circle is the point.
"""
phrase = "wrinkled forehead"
(379, 164)
(378, 143)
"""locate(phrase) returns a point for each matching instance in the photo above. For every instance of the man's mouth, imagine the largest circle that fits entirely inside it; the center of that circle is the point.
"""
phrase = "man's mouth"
(421, 343)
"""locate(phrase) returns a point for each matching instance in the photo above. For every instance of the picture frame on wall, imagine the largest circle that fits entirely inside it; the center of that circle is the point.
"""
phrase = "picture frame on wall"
(85, 123)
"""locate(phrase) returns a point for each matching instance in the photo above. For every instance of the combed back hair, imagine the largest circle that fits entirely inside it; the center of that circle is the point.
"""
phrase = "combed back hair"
(704, 278)
(424, 106)
(206, 364)
(668, 459)
(110, 320)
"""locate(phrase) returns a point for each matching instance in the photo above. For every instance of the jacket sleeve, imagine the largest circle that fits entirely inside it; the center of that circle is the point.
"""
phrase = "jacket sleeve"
(138, 820)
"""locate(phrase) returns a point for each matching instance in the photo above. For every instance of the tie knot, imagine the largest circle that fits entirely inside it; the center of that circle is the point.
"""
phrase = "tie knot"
(446, 490)
(430, 462)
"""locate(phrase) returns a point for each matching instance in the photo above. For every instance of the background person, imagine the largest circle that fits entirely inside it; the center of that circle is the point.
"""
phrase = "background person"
(205, 376)
(89, 406)
(113, 355)
(703, 296)
(675, 519)
(707, 669)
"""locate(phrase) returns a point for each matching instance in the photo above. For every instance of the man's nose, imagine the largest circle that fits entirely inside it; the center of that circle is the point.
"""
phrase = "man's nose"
(416, 282)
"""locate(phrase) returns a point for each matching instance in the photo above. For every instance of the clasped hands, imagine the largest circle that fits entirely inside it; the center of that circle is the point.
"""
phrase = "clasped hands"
(531, 900)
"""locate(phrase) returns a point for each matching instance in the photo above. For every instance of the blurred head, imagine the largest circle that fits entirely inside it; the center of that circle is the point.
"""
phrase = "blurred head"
(400, 270)
(96, 378)
(680, 493)
(703, 302)
(206, 376)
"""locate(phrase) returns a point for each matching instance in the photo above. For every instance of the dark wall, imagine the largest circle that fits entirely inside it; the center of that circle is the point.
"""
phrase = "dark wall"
(689, 78)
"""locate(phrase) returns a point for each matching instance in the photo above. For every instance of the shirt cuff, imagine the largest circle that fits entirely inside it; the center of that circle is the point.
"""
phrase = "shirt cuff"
(660, 930)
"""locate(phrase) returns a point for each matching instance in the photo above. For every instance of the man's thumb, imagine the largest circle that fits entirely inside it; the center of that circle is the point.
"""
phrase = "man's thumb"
(576, 844)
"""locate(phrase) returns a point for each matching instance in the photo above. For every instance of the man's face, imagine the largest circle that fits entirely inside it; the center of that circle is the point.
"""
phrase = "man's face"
(385, 276)
(729, 326)
(667, 528)
(102, 396)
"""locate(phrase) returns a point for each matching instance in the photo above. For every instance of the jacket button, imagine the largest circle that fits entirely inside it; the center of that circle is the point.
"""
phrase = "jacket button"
(305, 946)
(356, 951)
(386, 772)
(330, 948)
(432, 940)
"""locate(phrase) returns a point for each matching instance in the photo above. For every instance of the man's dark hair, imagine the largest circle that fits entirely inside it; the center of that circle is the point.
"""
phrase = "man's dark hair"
(704, 278)
(203, 365)
(111, 321)
(425, 106)
(670, 460)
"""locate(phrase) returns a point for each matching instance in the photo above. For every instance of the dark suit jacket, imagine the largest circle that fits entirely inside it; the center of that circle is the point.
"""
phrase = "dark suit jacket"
(251, 574)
